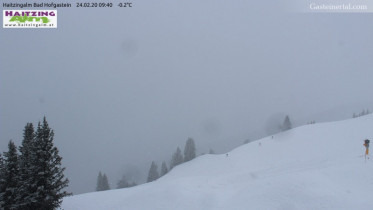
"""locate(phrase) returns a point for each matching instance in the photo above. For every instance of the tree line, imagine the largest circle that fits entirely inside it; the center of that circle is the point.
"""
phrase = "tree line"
(153, 174)
(362, 113)
(177, 159)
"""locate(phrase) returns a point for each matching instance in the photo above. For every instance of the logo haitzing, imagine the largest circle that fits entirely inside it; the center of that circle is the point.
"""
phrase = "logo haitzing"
(30, 19)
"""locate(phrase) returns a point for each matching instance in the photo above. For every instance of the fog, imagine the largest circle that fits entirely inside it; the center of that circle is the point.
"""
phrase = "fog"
(122, 87)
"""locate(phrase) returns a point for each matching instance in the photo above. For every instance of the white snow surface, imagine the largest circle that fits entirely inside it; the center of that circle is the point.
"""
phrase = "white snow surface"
(318, 166)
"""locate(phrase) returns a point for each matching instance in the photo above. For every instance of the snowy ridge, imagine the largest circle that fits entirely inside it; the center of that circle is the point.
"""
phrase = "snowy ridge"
(318, 166)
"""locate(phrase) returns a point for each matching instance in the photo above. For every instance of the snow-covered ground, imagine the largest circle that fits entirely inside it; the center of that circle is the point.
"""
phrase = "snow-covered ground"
(319, 166)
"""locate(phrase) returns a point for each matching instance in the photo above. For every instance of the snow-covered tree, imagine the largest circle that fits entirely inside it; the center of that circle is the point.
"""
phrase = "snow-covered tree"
(99, 182)
(153, 172)
(286, 125)
(26, 160)
(48, 180)
(189, 150)
(164, 169)
(34, 179)
(102, 182)
(177, 158)
(123, 183)
(105, 183)
(9, 180)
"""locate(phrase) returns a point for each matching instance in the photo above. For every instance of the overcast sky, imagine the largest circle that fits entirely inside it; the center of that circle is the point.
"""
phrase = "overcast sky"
(122, 87)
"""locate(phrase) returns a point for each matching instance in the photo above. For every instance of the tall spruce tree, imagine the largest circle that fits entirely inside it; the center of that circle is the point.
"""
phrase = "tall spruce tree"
(26, 160)
(177, 158)
(10, 179)
(99, 182)
(286, 125)
(189, 150)
(102, 182)
(153, 172)
(164, 169)
(47, 171)
(105, 183)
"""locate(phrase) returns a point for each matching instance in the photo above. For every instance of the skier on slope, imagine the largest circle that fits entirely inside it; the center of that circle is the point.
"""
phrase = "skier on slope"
(366, 144)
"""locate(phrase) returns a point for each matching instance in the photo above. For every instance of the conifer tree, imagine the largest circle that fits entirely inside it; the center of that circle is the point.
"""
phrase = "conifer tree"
(123, 183)
(287, 124)
(164, 169)
(189, 150)
(34, 179)
(47, 172)
(177, 158)
(153, 172)
(105, 183)
(10, 179)
(26, 160)
(99, 182)
(102, 182)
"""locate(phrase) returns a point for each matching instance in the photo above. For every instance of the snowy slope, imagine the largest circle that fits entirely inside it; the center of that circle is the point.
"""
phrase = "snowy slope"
(316, 166)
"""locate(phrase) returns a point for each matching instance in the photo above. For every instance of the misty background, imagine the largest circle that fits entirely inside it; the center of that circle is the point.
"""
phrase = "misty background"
(122, 87)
